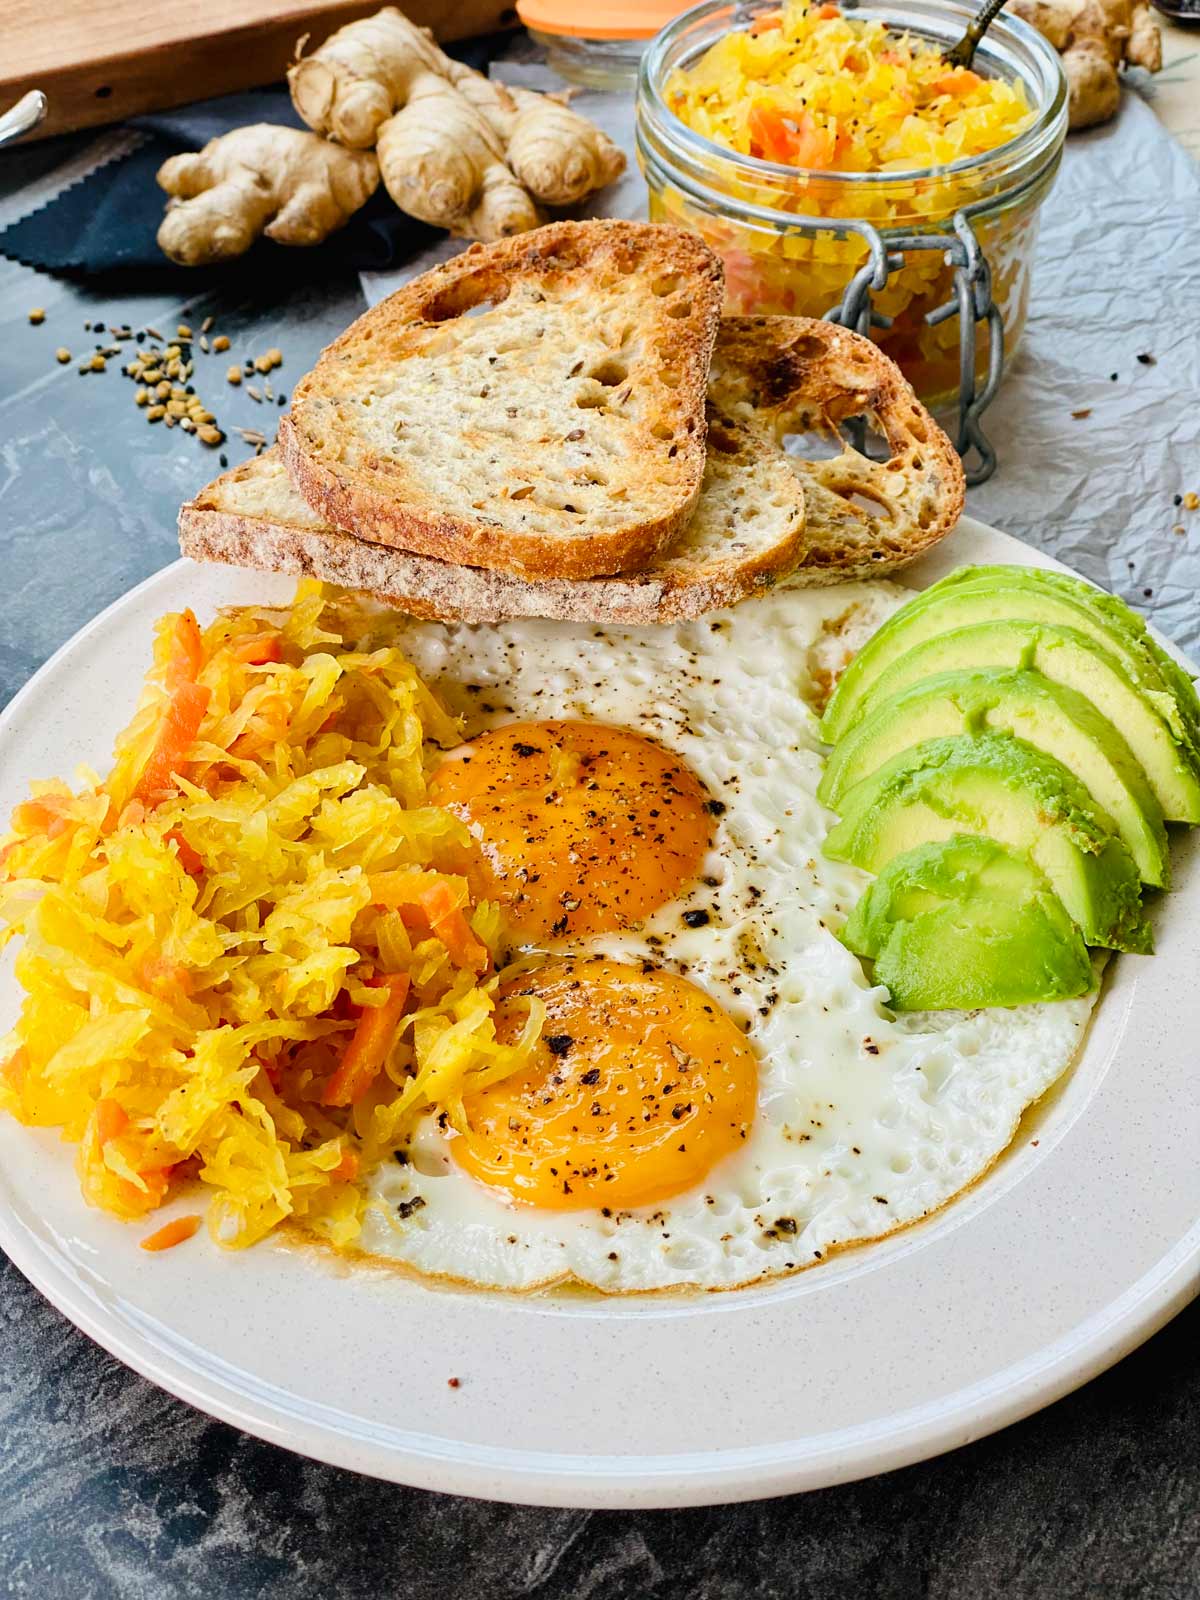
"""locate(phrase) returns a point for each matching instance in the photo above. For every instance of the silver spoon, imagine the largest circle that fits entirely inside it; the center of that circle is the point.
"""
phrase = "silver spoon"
(26, 114)
(963, 53)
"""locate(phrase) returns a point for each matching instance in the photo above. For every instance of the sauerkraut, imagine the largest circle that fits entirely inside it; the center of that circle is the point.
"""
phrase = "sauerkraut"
(249, 955)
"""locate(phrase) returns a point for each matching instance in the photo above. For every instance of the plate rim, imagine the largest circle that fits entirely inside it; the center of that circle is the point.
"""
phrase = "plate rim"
(537, 1477)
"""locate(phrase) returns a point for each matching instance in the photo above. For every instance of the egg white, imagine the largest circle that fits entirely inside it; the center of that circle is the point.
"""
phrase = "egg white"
(865, 1121)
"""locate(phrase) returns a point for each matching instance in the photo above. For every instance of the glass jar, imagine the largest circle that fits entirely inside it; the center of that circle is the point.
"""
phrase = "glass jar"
(598, 46)
(778, 229)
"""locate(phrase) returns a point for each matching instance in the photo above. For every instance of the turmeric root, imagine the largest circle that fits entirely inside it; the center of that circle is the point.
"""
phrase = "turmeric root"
(282, 182)
(455, 149)
(1094, 38)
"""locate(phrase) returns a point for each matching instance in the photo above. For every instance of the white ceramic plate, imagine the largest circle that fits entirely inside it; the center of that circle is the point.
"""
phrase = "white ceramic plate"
(1078, 1245)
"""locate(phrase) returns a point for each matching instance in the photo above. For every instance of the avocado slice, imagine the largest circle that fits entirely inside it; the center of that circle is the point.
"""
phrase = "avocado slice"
(995, 785)
(1070, 657)
(965, 922)
(1026, 594)
(1049, 716)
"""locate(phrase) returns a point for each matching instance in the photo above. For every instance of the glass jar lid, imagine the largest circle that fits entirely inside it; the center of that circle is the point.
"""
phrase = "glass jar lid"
(607, 19)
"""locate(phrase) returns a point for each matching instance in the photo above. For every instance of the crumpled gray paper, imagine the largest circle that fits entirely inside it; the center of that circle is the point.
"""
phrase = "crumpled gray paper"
(1116, 276)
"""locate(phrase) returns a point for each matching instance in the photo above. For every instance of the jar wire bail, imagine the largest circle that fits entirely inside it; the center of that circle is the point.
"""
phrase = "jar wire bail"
(971, 302)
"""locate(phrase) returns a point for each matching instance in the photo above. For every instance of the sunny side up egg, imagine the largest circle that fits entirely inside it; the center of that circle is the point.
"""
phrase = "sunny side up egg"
(719, 1096)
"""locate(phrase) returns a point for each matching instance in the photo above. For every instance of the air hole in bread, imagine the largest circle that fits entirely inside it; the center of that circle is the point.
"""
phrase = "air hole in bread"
(681, 308)
(918, 430)
(667, 284)
(610, 372)
(815, 445)
(728, 444)
(853, 495)
(591, 400)
(669, 377)
(663, 430)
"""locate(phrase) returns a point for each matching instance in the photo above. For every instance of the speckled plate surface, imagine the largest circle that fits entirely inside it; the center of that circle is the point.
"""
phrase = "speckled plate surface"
(1080, 1243)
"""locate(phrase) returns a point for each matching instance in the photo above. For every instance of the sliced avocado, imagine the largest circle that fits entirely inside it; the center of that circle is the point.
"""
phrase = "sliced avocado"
(1025, 594)
(1047, 715)
(966, 922)
(999, 786)
(1066, 656)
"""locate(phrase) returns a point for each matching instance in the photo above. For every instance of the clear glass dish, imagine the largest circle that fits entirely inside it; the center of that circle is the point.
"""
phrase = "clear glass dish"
(780, 231)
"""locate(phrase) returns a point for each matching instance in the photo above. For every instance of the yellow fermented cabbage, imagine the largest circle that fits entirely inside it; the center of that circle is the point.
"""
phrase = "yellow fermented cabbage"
(249, 955)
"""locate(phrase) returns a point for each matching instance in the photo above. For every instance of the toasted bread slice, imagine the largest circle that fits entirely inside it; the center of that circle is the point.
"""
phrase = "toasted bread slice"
(790, 376)
(747, 531)
(532, 406)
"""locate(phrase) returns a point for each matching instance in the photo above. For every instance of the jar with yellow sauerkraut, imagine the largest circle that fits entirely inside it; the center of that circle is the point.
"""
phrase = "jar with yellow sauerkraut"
(768, 130)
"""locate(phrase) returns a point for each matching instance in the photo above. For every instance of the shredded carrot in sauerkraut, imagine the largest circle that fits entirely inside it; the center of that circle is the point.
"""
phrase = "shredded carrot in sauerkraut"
(249, 956)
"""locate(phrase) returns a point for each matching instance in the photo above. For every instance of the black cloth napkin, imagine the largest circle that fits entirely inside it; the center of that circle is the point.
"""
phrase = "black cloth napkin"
(105, 224)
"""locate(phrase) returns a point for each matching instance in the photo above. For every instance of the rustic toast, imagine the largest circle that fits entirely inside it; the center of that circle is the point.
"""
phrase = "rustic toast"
(789, 376)
(747, 531)
(535, 406)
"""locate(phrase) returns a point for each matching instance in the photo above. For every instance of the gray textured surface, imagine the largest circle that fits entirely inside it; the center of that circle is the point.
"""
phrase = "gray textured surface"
(109, 1487)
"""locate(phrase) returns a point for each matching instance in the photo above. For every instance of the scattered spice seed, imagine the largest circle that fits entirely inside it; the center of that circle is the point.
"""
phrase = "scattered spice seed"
(1147, 360)
(98, 363)
(220, 343)
(223, 459)
(62, 355)
(263, 364)
(234, 376)
(207, 324)
(141, 397)
(1191, 500)
(454, 1383)
(156, 413)
(255, 394)
(1179, 528)
(187, 424)
(183, 331)
(152, 333)
(169, 421)
(1084, 411)
(210, 435)
(204, 344)
(37, 316)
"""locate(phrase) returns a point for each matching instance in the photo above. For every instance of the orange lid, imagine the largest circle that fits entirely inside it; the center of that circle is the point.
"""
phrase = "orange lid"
(605, 19)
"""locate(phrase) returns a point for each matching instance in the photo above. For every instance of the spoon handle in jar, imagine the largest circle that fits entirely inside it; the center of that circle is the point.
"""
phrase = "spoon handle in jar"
(963, 53)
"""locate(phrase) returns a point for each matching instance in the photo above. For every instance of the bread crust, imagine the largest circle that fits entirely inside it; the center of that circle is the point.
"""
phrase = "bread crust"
(383, 499)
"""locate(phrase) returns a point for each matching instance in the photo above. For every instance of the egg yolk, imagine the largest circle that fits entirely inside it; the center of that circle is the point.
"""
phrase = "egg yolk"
(639, 1085)
(580, 827)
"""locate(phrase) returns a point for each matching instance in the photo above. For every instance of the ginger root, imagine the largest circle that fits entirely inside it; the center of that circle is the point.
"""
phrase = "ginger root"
(455, 149)
(1094, 38)
(290, 185)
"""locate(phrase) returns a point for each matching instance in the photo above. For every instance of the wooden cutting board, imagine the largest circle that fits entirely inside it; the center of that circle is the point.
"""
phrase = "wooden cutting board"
(105, 60)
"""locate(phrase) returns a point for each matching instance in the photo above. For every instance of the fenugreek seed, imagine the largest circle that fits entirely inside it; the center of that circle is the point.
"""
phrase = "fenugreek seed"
(169, 421)
(141, 397)
(153, 332)
(234, 376)
(275, 357)
(263, 364)
(207, 324)
(172, 350)
(62, 354)
(152, 374)
(178, 393)
(255, 394)
(98, 363)
(251, 435)
(173, 369)
(187, 424)
(203, 416)
(111, 350)
(220, 343)
(37, 315)
(183, 331)
(210, 435)
(132, 369)
(204, 344)
(156, 413)
(163, 390)
(176, 408)
(188, 368)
